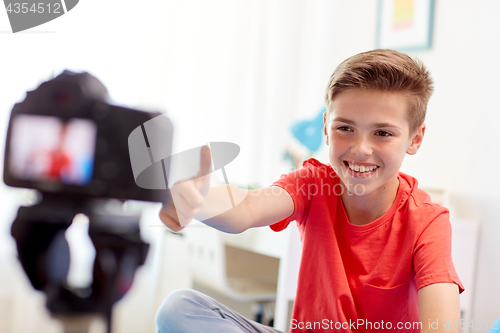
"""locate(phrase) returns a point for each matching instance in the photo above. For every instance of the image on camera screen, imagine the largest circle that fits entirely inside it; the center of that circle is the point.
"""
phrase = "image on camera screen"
(46, 148)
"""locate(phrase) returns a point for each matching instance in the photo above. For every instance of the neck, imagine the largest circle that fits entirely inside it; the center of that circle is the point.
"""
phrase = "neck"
(363, 209)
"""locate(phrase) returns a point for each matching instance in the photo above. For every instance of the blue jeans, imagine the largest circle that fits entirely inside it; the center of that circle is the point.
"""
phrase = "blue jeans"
(189, 311)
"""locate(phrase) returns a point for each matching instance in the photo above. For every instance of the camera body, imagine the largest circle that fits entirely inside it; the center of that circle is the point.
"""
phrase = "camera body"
(65, 139)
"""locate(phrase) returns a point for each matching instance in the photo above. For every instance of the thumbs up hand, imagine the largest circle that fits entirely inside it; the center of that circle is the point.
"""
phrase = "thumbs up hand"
(188, 196)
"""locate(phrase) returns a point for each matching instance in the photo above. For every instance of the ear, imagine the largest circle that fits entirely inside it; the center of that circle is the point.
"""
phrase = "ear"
(325, 124)
(416, 140)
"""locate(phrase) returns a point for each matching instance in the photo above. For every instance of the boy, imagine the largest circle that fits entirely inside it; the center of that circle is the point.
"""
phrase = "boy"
(376, 251)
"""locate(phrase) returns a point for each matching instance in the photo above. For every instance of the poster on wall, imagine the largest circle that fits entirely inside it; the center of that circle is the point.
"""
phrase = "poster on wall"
(405, 25)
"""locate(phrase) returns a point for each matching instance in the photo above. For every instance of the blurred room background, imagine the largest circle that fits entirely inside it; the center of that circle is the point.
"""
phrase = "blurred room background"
(245, 71)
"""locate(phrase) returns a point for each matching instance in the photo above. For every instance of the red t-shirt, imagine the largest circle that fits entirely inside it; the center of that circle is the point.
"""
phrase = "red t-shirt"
(354, 275)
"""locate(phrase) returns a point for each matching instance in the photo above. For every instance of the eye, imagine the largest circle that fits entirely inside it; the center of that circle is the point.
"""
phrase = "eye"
(383, 133)
(344, 129)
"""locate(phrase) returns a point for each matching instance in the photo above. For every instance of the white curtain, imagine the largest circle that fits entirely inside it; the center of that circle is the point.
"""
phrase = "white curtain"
(224, 70)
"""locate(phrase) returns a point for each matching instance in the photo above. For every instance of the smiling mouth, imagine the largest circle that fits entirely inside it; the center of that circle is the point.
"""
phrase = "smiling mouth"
(360, 168)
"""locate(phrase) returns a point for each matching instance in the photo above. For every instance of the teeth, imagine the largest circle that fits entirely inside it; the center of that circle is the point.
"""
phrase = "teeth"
(362, 168)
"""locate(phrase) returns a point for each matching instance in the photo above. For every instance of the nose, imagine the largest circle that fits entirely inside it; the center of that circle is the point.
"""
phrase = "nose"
(362, 147)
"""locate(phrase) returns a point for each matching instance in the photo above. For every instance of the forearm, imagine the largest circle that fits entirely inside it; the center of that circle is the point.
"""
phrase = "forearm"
(227, 209)
(255, 208)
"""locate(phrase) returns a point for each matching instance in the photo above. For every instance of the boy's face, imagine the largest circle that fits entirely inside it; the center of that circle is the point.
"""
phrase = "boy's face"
(368, 135)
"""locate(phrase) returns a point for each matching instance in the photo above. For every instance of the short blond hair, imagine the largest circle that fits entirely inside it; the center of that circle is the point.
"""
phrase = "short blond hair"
(385, 70)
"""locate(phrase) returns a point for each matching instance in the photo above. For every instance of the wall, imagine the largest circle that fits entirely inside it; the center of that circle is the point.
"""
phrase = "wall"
(461, 137)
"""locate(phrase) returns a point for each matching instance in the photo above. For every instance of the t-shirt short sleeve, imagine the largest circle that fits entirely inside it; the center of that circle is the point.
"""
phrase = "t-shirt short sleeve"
(432, 255)
(296, 183)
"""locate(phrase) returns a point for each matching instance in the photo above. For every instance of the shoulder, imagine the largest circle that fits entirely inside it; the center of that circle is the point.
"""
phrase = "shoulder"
(418, 206)
(415, 196)
(311, 171)
(317, 169)
(305, 185)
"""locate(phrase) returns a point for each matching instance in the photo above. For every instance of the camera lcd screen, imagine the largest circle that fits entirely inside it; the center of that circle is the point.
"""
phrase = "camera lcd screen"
(47, 148)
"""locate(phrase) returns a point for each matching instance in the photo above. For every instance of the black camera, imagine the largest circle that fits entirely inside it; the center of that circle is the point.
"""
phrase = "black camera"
(66, 141)
(64, 138)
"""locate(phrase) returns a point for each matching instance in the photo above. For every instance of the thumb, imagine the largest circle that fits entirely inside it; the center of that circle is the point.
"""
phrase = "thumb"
(203, 178)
